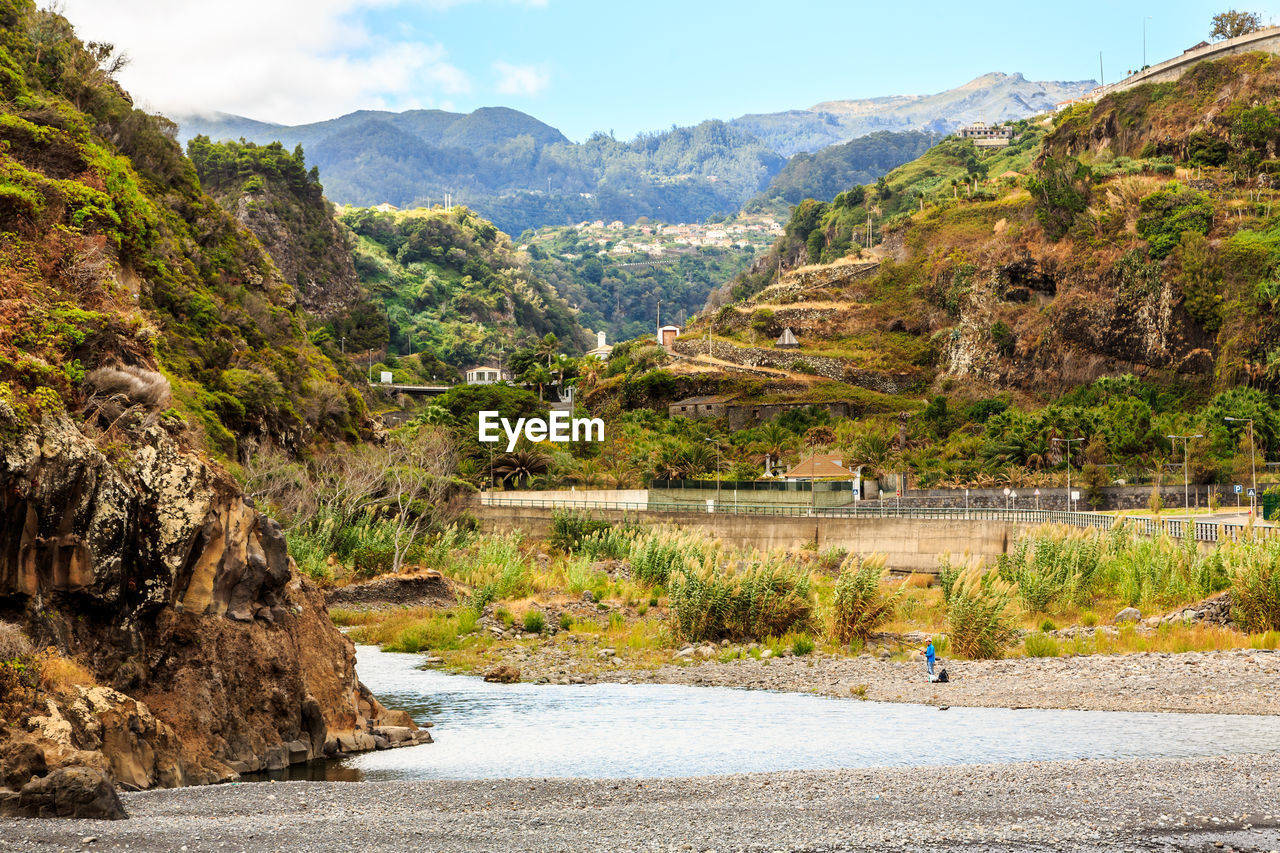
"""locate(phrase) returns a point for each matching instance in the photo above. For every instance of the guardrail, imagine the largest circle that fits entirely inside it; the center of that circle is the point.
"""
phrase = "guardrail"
(1203, 531)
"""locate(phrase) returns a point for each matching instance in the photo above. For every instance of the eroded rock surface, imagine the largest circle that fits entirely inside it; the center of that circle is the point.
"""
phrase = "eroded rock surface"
(212, 655)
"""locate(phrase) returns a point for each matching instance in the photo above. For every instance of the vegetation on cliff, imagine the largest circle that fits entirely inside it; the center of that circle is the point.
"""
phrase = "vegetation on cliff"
(112, 253)
(453, 288)
(273, 194)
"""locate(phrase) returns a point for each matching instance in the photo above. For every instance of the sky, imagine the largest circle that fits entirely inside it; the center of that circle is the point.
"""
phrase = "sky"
(616, 66)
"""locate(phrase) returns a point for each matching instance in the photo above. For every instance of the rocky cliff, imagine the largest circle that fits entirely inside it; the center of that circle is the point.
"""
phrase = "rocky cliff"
(153, 628)
(210, 654)
(270, 191)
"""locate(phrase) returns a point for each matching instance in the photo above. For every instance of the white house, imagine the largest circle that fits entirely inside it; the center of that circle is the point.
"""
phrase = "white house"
(487, 374)
(602, 349)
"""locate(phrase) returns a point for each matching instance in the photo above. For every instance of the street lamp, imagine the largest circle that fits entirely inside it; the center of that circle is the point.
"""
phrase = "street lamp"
(1186, 469)
(1067, 442)
(1144, 40)
(1253, 466)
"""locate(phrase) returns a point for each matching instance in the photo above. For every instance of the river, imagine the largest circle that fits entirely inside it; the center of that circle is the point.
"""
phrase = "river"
(621, 730)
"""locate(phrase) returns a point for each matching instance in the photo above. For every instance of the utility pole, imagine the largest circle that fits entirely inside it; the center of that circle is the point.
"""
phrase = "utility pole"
(1102, 78)
(1186, 470)
(1253, 469)
(1144, 41)
(717, 444)
(1067, 442)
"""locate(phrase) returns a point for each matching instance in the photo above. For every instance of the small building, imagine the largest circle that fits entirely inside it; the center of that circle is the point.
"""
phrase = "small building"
(820, 466)
(699, 408)
(787, 340)
(486, 374)
(985, 136)
(667, 335)
(602, 350)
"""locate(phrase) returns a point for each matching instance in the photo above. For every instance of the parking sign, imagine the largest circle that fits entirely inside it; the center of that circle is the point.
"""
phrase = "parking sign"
(1239, 488)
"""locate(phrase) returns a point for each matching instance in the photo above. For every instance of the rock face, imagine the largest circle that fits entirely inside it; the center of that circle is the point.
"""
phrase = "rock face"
(82, 792)
(213, 656)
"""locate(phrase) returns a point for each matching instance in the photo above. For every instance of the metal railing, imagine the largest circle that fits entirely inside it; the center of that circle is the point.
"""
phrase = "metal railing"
(1203, 531)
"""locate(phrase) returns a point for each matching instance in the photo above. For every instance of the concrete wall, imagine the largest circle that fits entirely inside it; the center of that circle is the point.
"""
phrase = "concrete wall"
(1266, 40)
(568, 496)
(908, 544)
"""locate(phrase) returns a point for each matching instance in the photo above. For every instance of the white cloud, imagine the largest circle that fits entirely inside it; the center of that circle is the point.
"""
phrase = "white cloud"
(520, 79)
(287, 61)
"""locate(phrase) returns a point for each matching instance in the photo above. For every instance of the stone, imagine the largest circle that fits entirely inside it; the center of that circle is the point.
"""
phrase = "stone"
(394, 734)
(606, 653)
(1129, 614)
(20, 762)
(75, 792)
(502, 674)
(766, 654)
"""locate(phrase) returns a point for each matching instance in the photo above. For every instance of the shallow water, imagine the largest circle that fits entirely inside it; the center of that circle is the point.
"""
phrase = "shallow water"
(623, 730)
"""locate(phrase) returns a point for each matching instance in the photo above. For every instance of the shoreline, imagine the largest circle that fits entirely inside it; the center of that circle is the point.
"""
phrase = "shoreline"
(1239, 681)
(1152, 804)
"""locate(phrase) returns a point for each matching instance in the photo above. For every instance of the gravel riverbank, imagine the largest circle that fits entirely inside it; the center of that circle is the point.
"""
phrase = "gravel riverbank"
(1244, 681)
(1186, 804)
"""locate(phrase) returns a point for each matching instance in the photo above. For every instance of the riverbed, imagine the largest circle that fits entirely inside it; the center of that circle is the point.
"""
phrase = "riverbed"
(609, 730)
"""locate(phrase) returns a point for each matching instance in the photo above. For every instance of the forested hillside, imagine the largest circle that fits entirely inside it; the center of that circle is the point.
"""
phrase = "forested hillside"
(453, 289)
(830, 171)
(521, 173)
(114, 255)
(517, 171)
(273, 194)
(1108, 276)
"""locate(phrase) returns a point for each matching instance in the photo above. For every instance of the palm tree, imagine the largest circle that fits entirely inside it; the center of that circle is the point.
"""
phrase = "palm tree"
(588, 471)
(774, 442)
(521, 465)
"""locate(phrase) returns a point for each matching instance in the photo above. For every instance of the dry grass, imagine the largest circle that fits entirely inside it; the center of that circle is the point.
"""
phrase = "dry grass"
(14, 644)
(61, 675)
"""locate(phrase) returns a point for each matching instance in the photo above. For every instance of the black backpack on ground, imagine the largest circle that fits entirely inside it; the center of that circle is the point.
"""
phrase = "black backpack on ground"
(942, 676)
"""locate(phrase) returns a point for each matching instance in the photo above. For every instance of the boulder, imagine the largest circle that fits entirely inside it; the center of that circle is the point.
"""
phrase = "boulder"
(77, 792)
(1129, 614)
(503, 674)
(20, 762)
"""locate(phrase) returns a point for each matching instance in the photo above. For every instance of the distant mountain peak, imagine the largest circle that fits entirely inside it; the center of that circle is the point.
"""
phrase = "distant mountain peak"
(994, 96)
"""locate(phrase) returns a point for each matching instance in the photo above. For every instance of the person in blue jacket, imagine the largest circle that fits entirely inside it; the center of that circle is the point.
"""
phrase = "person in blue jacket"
(930, 655)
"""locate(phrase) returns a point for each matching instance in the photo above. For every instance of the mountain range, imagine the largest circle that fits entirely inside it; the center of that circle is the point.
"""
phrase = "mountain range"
(523, 173)
(992, 98)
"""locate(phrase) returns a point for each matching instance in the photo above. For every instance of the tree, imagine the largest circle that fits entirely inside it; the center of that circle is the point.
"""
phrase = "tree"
(520, 466)
(1061, 191)
(420, 480)
(1230, 24)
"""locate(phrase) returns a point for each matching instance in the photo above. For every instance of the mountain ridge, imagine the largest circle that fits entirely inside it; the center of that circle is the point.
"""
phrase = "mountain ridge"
(522, 173)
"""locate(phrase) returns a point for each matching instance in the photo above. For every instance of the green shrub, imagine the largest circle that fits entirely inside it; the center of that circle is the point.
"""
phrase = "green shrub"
(802, 645)
(566, 622)
(1255, 591)
(981, 614)
(860, 603)
(658, 552)
(1052, 565)
(767, 598)
(534, 622)
(948, 572)
(570, 527)
(1041, 646)
(1089, 619)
